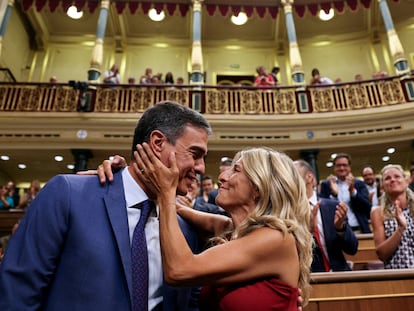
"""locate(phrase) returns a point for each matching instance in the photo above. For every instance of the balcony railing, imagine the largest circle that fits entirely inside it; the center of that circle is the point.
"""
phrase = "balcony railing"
(45, 97)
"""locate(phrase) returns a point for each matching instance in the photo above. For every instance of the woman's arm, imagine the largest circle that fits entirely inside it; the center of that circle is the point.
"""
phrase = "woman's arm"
(384, 247)
(209, 224)
(264, 252)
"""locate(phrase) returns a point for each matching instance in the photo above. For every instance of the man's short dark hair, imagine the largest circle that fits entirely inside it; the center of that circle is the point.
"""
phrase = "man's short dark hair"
(342, 155)
(170, 118)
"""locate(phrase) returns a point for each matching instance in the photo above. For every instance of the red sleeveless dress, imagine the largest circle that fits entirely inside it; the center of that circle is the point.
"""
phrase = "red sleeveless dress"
(263, 295)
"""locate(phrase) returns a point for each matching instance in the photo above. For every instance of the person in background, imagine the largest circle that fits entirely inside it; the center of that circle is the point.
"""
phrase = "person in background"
(318, 79)
(13, 192)
(74, 244)
(207, 185)
(264, 250)
(393, 220)
(358, 77)
(344, 187)
(112, 76)
(373, 187)
(333, 236)
(169, 78)
(146, 78)
(30, 194)
(6, 201)
(263, 79)
(411, 178)
(274, 73)
(53, 80)
(180, 80)
(131, 80)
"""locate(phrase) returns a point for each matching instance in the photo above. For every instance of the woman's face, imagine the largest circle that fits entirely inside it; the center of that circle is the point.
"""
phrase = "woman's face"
(394, 181)
(236, 190)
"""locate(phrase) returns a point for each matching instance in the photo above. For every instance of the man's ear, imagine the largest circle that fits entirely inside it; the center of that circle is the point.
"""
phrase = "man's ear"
(157, 142)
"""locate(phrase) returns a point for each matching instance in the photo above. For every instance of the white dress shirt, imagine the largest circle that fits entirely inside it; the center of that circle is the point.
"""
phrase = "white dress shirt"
(133, 195)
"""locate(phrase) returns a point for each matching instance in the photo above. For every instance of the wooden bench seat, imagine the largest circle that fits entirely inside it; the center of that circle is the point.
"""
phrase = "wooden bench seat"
(385, 290)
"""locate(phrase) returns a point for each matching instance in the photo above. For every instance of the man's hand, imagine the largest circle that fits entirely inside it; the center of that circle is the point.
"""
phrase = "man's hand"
(333, 185)
(350, 180)
(314, 216)
(340, 216)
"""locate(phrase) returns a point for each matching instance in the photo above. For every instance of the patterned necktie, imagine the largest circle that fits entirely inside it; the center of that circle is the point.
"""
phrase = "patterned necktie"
(140, 259)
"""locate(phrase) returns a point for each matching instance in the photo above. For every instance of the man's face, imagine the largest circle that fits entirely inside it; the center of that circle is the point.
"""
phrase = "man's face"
(190, 150)
(342, 168)
(368, 175)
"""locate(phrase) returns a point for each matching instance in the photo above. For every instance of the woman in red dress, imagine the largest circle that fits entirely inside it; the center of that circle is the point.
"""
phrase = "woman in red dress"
(262, 254)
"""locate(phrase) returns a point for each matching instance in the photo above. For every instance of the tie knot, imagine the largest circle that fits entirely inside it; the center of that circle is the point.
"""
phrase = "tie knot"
(146, 207)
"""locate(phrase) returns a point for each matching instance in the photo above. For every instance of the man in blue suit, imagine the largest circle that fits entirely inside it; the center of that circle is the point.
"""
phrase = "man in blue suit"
(72, 250)
(335, 235)
(346, 188)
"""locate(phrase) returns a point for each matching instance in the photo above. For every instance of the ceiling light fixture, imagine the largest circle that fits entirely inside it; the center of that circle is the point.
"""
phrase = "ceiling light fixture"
(390, 150)
(73, 12)
(326, 16)
(5, 157)
(21, 166)
(240, 19)
(386, 158)
(154, 16)
(58, 158)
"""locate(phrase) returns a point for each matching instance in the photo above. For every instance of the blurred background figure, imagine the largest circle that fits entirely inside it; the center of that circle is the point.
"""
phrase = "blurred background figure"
(53, 79)
(6, 201)
(318, 79)
(30, 194)
(4, 240)
(112, 76)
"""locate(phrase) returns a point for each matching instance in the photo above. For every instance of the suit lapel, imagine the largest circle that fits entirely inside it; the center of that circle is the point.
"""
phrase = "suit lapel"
(116, 208)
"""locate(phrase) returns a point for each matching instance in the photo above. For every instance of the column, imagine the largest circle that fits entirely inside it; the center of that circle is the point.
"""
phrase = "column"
(197, 55)
(94, 71)
(81, 159)
(5, 21)
(310, 156)
(298, 75)
(396, 49)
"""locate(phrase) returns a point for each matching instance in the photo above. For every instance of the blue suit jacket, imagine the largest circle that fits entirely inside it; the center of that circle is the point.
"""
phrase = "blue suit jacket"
(360, 204)
(336, 243)
(72, 251)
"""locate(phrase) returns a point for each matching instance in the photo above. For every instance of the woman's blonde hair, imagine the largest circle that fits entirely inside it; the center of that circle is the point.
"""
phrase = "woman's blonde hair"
(282, 205)
(385, 202)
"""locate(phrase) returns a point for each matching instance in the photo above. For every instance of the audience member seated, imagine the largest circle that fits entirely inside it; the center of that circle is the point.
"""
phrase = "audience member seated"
(131, 80)
(393, 220)
(112, 76)
(30, 194)
(332, 235)
(13, 192)
(343, 186)
(6, 201)
(318, 80)
(263, 79)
